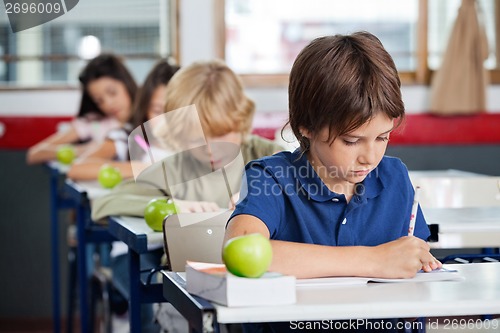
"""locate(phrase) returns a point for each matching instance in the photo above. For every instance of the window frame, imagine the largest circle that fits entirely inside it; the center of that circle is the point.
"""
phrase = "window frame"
(174, 37)
(421, 76)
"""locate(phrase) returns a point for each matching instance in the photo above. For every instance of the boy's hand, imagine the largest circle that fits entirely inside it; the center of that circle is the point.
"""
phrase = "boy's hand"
(429, 267)
(403, 258)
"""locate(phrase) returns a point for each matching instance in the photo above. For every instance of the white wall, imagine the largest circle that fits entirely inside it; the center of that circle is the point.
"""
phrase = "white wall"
(197, 30)
(65, 102)
(197, 42)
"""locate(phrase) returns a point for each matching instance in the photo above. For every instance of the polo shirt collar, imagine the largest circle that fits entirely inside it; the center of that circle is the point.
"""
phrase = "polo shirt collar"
(371, 186)
(311, 183)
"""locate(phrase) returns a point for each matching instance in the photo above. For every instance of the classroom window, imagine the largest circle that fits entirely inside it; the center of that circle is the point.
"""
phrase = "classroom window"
(262, 38)
(265, 36)
(54, 53)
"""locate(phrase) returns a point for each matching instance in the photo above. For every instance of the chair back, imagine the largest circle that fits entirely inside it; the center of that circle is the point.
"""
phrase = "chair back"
(194, 237)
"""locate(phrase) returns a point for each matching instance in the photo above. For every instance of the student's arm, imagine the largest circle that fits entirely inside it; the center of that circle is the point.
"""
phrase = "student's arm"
(401, 258)
(87, 166)
(89, 169)
(105, 150)
(46, 150)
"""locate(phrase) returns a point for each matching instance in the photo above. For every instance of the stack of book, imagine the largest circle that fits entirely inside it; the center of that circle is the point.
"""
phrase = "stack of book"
(214, 283)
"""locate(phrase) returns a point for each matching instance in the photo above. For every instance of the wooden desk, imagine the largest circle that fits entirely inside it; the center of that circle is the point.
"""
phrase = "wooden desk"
(478, 294)
(88, 232)
(139, 238)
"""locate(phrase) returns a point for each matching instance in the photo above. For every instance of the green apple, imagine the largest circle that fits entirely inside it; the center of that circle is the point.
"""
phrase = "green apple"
(156, 210)
(66, 154)
(109, 176)
(248, 255)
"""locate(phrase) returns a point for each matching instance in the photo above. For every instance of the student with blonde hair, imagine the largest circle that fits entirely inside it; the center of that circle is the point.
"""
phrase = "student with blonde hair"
(207, 123)
(209, 94)
(218, 94)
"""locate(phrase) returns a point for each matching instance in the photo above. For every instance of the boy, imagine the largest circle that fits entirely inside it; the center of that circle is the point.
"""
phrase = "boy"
(337, 206)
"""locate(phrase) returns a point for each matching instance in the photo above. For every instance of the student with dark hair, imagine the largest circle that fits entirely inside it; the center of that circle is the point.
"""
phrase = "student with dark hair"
(104, 66)
(337, 206)
(108, 91)
(150, 101)
(114, 151)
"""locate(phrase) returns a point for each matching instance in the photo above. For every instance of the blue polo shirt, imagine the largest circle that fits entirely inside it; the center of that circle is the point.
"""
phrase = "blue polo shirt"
(285, 192)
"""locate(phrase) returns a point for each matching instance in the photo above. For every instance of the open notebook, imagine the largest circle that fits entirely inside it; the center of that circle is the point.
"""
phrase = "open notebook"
(442, 274)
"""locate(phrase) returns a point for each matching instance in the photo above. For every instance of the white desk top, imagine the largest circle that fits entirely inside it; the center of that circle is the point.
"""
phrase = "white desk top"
(93, 188)
(61, 168)
(468, 219)
(465, 205)
(458, 192)
(138, 226)
(478, 294)
(469, 227)
(415, 174)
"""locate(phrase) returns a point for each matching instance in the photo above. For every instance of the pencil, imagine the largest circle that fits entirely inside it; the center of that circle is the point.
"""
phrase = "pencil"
(414, 210)
(141, 142)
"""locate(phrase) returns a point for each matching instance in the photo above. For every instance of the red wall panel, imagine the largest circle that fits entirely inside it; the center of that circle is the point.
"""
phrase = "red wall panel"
(418, 129)
(23, 132)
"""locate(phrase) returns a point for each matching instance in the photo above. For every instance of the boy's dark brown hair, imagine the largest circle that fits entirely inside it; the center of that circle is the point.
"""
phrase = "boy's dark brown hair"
(340, 82)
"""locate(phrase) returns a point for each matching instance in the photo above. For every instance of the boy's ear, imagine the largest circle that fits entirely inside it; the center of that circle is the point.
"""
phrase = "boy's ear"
(304, 132)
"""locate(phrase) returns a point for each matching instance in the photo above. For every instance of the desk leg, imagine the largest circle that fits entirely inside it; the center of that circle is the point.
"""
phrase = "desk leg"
(82, 269)
(199, 313)
(54, 231)
(135, 291)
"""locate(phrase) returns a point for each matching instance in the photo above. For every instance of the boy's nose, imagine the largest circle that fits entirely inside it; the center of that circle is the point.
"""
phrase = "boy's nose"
(368, 154)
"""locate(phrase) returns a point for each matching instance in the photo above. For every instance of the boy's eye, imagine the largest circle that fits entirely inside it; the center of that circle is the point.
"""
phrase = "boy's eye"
(350, 142)
(383, 138)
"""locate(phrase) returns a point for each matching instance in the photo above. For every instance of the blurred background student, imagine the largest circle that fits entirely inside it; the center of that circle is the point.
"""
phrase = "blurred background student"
(108, 91)
(225, 114)
(113, 150)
